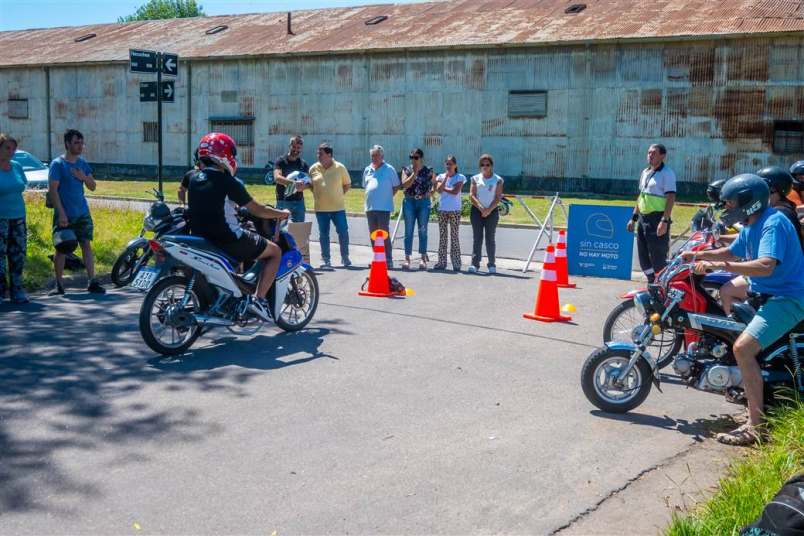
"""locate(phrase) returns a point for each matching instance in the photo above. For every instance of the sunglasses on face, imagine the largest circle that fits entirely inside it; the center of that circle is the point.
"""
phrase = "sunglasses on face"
(485, 164)
(449, 163)
(414, 157)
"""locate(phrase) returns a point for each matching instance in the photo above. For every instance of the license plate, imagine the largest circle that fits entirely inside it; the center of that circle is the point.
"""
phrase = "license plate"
(146, 278)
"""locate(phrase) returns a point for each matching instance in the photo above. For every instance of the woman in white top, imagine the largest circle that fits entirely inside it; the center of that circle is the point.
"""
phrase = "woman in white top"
(449, 185)
(485, 193)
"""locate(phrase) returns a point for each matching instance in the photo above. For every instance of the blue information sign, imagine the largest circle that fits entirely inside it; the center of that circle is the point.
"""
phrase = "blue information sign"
(598, 243)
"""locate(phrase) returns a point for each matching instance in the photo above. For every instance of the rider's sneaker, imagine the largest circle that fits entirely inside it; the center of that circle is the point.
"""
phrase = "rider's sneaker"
(260, 308)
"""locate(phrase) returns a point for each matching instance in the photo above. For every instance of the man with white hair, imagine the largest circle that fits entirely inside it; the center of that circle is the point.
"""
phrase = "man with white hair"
(380, 182)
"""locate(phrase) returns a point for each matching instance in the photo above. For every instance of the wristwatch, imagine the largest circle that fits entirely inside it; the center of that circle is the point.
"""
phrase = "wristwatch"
(668, 221)
(634, 217)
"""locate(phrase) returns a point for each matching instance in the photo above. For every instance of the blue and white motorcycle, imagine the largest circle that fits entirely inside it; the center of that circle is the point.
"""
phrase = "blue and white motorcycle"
(196, 286)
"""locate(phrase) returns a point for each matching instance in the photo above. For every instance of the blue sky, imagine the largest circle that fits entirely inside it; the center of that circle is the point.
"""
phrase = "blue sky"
(22, 14)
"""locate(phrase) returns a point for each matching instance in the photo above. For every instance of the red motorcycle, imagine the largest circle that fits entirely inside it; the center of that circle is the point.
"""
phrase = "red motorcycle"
(701, 295)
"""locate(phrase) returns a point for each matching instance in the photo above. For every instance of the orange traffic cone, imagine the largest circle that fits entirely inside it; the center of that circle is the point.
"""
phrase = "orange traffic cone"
(378, 285)
(562, 271)
(546, 308)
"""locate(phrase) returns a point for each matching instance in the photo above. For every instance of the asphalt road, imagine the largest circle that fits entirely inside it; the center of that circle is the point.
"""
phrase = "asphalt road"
(442, 413)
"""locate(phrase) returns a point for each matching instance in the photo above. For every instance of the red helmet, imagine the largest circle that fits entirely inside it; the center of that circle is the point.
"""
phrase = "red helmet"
(219, 148)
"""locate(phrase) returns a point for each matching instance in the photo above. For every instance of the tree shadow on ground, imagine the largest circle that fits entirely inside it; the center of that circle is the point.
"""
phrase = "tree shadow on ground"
(72, 378)
(699, 429)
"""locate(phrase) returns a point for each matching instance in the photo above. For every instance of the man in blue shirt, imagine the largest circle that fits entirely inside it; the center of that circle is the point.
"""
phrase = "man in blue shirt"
(66, 179)
(381, 183)
(774, 262)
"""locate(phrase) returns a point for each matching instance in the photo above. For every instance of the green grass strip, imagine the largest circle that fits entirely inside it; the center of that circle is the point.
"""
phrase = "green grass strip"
(752, 481)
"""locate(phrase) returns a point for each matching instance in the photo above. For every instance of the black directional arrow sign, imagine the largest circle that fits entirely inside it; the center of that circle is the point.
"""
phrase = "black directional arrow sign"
(142, 61)
(148, 91)
(170, 64)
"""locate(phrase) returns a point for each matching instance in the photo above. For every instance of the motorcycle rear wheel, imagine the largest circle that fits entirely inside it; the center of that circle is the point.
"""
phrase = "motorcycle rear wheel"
(123, 270)
(620, 325)
(166, 293)
(599, 371)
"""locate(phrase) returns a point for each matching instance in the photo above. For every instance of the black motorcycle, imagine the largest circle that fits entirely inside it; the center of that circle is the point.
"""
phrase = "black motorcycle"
(617, 377)
(159, 220)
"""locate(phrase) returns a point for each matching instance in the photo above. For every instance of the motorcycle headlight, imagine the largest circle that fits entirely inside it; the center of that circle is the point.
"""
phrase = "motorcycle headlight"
(641, 302)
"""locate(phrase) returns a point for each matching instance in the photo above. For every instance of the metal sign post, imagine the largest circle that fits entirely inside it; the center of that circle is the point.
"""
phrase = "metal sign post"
(543, 226)
(148, 61)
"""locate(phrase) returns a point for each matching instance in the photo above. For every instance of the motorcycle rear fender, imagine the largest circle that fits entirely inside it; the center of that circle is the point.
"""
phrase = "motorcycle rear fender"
(139, 242)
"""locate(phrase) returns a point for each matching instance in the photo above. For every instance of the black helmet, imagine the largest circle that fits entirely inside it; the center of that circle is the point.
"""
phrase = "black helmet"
(778, 179)
(797, 170)
(713, 190)
(65, 240)
(749, 192)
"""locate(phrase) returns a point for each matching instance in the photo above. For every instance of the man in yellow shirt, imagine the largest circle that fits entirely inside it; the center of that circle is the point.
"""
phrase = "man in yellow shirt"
(329, 181)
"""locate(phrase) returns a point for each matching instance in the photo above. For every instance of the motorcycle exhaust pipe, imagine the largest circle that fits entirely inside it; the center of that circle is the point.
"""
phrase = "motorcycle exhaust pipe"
(205, 320)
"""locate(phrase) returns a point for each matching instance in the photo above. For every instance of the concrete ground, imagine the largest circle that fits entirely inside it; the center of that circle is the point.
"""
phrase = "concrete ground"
(442, 413)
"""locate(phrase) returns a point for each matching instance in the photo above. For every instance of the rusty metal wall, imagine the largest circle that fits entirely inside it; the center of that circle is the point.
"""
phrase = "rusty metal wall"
(712, 103)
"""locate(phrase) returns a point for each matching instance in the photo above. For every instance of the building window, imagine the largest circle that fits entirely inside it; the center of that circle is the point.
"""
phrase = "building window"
(150, 132)
(522, 104)
(242, 132)
(788, 137)
(18, 108)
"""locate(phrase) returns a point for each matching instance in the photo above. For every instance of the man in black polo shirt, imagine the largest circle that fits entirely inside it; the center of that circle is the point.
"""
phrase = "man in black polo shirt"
(289, 194)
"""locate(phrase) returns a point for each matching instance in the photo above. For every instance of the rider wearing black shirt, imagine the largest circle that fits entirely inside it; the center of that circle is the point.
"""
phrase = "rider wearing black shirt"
(214, 194)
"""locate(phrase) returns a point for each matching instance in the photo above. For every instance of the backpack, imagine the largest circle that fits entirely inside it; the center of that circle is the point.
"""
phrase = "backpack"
(784, 515)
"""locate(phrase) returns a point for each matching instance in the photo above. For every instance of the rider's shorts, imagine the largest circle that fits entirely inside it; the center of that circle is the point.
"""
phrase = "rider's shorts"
(247, 248)
(775, 318)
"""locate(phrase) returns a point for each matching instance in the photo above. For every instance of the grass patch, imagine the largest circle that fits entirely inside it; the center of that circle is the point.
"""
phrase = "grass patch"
(752, 481)
(113, 229)
(354, 200)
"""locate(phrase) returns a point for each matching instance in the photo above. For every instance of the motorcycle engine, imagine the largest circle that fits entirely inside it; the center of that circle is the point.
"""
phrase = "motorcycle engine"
(718, 378)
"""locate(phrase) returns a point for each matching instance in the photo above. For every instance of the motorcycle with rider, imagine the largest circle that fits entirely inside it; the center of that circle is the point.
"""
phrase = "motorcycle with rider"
(198, 282)
(748, 356)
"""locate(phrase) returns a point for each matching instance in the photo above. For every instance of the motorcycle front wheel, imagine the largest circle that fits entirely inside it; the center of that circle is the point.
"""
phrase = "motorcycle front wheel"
(599, 377)
(624, 320)
(166, 326)
(128, 263)
(300, 304)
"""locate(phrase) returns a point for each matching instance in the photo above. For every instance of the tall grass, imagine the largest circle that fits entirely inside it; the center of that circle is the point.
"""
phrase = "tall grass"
(113, 229)
(752, 481)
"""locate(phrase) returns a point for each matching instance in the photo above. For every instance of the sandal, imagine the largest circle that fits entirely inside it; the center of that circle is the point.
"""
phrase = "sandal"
(743, 436)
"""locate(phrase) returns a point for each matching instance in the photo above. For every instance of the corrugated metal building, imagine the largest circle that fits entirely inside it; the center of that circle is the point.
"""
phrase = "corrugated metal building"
(566, 95)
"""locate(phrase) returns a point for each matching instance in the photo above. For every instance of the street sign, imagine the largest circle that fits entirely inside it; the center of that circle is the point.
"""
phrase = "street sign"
(598, 243)
(142, 61)
(148, 91)
(170, 64)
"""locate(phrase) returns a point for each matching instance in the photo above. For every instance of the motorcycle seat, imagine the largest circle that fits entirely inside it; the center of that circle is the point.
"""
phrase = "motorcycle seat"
(198, 242)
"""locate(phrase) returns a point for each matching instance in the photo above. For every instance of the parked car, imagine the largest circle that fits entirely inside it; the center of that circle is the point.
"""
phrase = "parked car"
(35, 171)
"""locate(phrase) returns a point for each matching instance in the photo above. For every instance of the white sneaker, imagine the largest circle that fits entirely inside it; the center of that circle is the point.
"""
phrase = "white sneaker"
(492, 269)
(260, 308)
(325, 265)
(472, 269)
